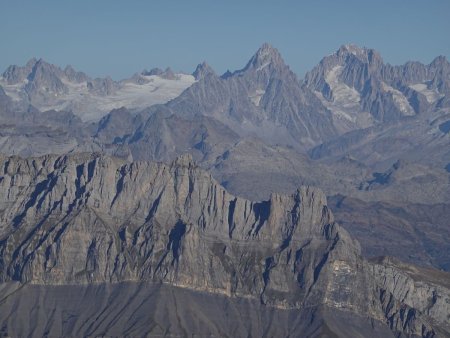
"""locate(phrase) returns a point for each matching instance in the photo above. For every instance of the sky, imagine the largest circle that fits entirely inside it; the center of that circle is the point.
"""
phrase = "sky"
(119, 38)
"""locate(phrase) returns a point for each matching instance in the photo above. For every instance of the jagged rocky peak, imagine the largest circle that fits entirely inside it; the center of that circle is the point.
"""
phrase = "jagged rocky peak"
(440, 61)
(165, 74)
(362, 53)
(202, 70)
(350, 64)
(41, 66)
(355, 81)
(45, 78)
(349, 55)
(351, 48)
(168, 74)
(75, 76)
(153, 71)
(42, 72)
(103, 86)
(264, 57)
(16, 74)
(265, 89)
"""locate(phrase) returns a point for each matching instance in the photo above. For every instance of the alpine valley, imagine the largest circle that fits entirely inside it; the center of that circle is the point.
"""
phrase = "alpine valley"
(251, 203)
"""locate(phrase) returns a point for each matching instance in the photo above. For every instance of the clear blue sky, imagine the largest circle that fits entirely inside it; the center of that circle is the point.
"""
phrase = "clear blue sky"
(118, 38)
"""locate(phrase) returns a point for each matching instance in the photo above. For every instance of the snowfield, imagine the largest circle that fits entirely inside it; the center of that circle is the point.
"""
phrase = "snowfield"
(90, 106)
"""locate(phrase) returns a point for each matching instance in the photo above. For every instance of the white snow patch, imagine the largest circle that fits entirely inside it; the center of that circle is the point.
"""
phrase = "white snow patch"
(13, 91)
(90, 106)
(430, 94)
(343, 95)
(345, 103)
(399, 99)
(264, 65)
(256, 97)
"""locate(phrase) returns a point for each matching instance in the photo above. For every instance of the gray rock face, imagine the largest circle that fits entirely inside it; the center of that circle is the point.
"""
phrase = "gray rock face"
(263, 96)
(16, 74)
(202, 71)
(6, 105)
(44, 79)
(354, 81)
(84, 219)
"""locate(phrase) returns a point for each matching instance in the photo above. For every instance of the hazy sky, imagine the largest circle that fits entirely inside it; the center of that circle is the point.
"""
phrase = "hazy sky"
(119, 38)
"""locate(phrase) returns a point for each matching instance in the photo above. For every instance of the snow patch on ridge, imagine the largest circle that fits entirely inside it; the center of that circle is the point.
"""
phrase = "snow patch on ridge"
(13, 91)
(342, 94)
(256, 97)
(399, 99)
(430, 94)
(91, 106)
(264, 65)
(345, 103)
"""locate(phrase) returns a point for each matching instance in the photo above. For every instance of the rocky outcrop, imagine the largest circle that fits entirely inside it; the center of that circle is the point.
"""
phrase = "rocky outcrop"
(413, 298)
(84, 219)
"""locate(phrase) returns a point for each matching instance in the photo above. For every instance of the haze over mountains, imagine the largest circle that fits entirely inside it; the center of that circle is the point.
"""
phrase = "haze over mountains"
(374, 137)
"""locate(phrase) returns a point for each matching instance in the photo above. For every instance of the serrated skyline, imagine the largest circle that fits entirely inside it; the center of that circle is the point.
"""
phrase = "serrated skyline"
(112, 38)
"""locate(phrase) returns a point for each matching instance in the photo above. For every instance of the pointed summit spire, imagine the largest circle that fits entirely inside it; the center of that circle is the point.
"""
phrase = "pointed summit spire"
(32, 62)
(267, 48)
(266, 55)
(439, 61)
(202, 71)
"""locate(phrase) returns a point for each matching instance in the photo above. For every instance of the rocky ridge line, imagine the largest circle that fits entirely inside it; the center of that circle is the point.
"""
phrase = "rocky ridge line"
(81, 219)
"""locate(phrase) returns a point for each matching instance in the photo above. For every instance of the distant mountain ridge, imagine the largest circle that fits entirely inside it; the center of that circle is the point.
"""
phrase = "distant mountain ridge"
(362, 90)
(349, 95)
(353, 83)
(48, 87)
(264, 95)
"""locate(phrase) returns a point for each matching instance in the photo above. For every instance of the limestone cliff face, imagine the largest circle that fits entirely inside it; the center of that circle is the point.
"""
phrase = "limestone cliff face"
(81, 219)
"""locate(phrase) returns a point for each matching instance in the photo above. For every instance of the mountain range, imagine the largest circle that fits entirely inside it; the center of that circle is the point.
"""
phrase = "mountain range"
(354, 126)
(348, 95)
(164, 177)
(48, 87)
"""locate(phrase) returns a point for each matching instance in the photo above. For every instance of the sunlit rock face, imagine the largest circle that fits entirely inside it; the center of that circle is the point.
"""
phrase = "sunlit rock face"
(88, 219)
